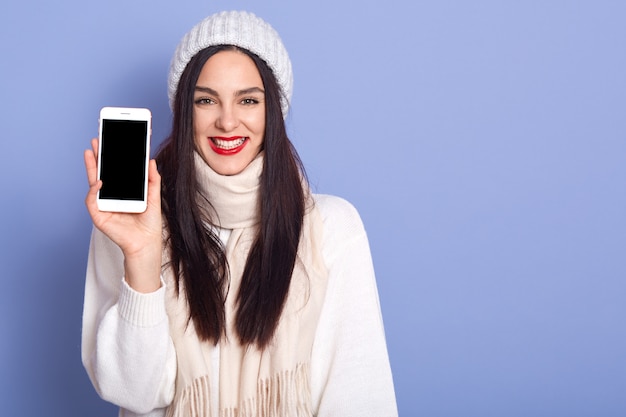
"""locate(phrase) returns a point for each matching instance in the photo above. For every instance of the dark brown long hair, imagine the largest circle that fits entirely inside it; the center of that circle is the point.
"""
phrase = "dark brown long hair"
(197, 255)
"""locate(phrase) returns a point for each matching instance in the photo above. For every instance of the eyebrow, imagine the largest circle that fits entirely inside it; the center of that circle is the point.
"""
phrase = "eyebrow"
(243, 92)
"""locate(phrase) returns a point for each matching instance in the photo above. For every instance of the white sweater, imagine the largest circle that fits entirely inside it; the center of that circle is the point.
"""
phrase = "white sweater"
(131, 360)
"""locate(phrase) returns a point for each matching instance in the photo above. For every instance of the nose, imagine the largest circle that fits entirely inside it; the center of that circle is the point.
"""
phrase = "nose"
(227, 119)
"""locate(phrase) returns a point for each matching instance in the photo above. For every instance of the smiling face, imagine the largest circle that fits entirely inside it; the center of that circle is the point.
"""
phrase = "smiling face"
(229, 112)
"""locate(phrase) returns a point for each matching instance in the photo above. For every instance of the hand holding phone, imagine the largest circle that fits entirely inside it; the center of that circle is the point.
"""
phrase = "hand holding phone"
(137, 233)
(124, 153)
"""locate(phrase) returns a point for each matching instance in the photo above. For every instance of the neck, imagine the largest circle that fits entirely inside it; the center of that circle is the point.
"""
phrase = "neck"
(234, 198)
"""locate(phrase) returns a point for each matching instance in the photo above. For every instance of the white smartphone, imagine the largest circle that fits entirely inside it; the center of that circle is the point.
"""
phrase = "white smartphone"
(123, 157)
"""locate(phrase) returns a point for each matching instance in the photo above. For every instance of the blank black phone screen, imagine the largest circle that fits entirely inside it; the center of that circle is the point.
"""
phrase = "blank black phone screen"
(123, 158)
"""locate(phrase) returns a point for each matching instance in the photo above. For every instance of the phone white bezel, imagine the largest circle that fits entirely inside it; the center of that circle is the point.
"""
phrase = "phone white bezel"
(125, 113)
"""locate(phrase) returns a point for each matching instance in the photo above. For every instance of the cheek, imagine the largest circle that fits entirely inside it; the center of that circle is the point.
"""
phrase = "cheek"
(259, 123)
(200, 121)
(197, 130)
(194, 121)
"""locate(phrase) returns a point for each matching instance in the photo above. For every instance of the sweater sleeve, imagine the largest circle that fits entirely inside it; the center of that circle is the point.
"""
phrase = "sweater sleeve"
(126, 347)
(351, 375)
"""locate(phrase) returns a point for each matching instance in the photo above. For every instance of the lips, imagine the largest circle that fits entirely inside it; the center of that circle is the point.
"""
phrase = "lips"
(228, 145)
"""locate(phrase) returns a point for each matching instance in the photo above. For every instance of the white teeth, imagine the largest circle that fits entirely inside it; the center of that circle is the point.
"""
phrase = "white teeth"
(228, 144)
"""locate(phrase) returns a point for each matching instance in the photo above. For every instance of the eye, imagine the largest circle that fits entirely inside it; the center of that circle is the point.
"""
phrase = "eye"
(249, 101)
(204, 101)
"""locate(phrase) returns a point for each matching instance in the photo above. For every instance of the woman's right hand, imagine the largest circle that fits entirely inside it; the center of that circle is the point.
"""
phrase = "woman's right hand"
(139, 235)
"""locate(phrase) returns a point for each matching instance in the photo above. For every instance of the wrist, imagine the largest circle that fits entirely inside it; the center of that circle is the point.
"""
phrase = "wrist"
(142, 269)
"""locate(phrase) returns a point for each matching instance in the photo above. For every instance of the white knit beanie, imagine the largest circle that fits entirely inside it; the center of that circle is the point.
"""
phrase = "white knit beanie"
(242, 29)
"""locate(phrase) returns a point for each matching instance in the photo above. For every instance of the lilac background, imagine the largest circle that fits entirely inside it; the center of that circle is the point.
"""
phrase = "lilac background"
(483, 142)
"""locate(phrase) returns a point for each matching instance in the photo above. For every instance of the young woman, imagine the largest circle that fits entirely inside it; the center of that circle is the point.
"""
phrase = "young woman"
(237, 292)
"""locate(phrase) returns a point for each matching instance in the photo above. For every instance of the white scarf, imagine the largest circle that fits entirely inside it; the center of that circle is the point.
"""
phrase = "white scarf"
(273, 382)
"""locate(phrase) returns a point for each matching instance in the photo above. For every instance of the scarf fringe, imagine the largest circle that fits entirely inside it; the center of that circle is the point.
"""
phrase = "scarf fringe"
(194, 401)
(286, 393)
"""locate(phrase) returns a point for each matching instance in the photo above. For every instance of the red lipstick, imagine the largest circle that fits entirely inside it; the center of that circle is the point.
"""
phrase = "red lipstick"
(227, 145)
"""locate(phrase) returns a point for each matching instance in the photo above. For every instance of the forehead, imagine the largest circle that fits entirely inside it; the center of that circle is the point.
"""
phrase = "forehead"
(230, 69)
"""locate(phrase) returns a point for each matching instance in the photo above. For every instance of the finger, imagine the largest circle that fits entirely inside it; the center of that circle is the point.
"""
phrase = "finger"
(91, 201)
(91, 167)
(153, 173)
(94, 183)
(95, 146)
(154, 183)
